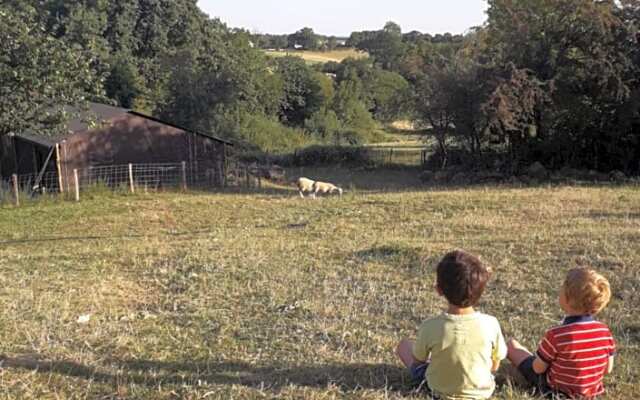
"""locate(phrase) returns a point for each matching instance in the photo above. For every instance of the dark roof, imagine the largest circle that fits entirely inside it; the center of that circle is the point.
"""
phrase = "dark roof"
(180, 127)
(45, 141)
(97, 114)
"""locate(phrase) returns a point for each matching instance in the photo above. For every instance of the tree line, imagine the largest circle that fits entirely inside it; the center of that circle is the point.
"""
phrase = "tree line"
(554, 81)
(169, 59)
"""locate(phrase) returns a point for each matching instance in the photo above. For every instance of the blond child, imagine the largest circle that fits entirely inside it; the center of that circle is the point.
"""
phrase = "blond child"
(573, 357)
(457, 351)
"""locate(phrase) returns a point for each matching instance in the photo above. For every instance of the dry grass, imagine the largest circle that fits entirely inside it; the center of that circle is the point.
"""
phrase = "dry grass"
(267, 296)
(318, 57)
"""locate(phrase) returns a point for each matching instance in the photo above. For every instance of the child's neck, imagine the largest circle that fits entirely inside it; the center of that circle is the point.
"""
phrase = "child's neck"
(455, 310)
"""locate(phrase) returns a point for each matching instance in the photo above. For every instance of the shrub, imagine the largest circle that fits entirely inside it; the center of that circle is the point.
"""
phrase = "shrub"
(269, 135)
(326, 155)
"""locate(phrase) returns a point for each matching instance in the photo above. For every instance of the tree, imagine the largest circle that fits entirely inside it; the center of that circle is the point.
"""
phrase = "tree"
(43, 79)
(215, 91)
(389, 95)
(306, 38)
(123, 83)
(385, 46)
(303, 93)
(435, 105)
(581, 49)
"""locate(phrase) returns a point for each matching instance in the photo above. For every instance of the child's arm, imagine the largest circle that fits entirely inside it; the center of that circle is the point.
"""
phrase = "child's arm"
(406, 353)
(610, 365)
(500, 350)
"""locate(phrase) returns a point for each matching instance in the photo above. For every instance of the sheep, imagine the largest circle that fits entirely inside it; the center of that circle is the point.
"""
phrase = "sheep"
(305, 185)
(324, 187)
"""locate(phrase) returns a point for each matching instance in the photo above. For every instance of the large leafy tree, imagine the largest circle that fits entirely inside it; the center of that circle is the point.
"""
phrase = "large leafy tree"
(306, 38)
(41, 77)
(579, 48)
(303, 92)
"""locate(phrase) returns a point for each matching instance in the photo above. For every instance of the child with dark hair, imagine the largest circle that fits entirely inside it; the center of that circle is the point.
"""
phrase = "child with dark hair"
(457, 351)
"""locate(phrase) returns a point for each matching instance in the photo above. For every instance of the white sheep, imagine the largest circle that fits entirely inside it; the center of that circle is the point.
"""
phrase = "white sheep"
(324, 188)
(305, 185)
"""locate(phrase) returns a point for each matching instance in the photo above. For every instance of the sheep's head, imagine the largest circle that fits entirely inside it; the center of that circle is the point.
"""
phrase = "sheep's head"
(339, 190)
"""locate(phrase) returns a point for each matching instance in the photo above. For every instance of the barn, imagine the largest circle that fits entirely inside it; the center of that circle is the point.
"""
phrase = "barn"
(104, 137)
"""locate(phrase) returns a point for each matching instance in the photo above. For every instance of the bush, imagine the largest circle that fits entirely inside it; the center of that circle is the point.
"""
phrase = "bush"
(269, 135)
(324, 124)
(325, 155)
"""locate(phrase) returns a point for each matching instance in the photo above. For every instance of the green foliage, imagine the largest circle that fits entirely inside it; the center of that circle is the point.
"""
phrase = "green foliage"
(304, 93)
(268, 135)
(306, 38)
(324, 124)
(385, 46)
(41, 76)
(327, 155)
(123, 83)
(579, 50)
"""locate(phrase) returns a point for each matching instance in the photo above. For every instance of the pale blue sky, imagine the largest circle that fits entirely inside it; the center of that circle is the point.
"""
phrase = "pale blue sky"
(341, 17)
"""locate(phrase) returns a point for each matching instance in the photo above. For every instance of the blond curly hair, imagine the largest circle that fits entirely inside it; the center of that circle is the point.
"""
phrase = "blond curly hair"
(586, 290)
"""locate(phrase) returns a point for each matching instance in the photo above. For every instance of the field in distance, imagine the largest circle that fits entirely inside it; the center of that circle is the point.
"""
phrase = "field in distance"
(265, 295)
(318, 57)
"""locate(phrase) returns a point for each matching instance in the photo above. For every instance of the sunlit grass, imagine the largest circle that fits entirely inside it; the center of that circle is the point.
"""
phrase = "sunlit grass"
(316, 57)
(249, 295)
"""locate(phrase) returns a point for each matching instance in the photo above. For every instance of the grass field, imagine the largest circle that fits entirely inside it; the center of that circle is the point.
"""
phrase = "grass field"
(265, 295)
(319, 57)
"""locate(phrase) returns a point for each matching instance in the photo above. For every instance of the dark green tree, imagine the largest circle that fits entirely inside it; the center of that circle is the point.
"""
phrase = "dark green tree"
(43, 79)
(303, 93)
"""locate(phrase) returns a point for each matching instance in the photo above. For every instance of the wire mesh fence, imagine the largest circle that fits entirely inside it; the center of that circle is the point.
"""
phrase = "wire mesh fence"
(131, 177)
(397, 156)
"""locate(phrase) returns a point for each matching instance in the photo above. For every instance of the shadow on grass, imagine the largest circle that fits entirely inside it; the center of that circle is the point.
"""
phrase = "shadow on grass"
(611, 215)
(348, 377)
(400, 256)
(185, 235)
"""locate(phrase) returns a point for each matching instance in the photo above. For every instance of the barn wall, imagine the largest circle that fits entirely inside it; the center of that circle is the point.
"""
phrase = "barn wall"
(7, 157)
(22, 157)
(138, 140)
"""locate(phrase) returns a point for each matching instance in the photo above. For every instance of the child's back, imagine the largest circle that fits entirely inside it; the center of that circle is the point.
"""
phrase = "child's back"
(463, 349)
(457, 351)
(572, 358)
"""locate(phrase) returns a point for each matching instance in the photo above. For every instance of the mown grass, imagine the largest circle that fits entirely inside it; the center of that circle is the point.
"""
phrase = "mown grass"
(249, 295)
(320, 57)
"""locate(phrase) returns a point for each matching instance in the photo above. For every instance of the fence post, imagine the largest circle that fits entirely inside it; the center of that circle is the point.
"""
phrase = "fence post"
(16, 192)
(184, 176)
(391, 156)
(59, 168)
(246, 174)
(76, 184)
(131, 185)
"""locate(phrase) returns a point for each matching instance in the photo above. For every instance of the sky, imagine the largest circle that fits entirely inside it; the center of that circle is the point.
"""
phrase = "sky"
(341, 17)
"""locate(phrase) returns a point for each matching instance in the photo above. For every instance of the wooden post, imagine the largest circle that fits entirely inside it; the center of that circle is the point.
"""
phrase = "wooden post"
(16, 192)
(184, 176)
(59, 168)
(76, 184)
(246, 174)
(131, 185)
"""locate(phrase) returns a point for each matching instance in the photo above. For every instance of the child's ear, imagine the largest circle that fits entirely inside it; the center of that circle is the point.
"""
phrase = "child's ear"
(438, 290)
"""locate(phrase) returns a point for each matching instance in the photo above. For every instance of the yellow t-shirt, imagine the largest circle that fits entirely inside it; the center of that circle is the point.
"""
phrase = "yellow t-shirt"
(462, 349)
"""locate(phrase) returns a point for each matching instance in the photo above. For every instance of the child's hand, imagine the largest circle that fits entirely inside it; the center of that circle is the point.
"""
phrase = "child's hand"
(610, 365)
(539, 366)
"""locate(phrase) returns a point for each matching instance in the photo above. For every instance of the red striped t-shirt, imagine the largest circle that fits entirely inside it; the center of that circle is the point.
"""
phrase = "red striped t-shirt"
(578, 353)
